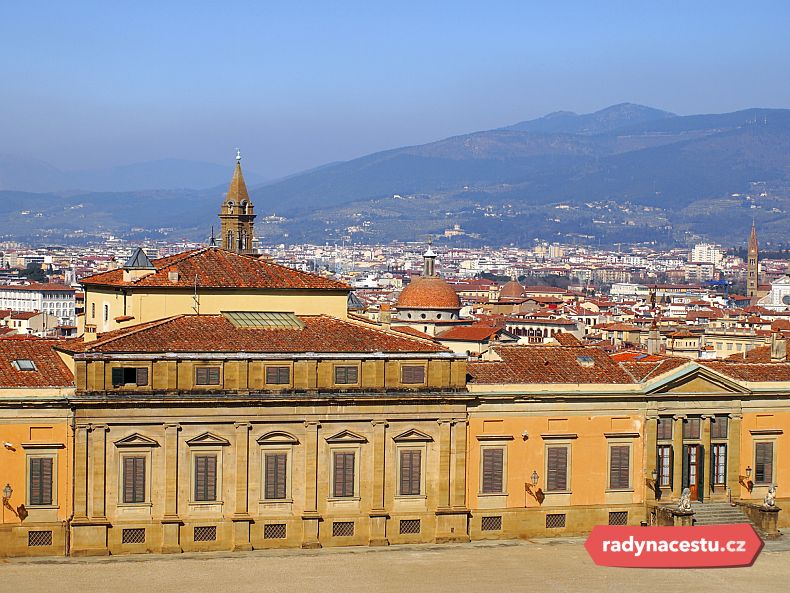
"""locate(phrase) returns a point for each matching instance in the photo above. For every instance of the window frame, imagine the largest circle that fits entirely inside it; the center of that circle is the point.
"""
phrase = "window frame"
(481, 486)
(610, 487)
(204, 452)
(687, 436)
(772, 443)
(671, 422)
(208, 371)
(670, 465)
(266, 451)
(278, 368)
(137, 382)
(344, 449)
(338, 367)
(410, 448)
(423, 370)
(715, 477)
(42, 454)
(146, 455)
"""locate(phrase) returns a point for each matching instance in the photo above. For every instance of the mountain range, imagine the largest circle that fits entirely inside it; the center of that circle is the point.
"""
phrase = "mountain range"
(627, 173)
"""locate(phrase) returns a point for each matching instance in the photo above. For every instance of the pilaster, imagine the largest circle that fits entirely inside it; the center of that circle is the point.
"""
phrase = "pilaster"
(677, 451)
(241, 517)
(378, 514)
(310, 516)
(171, 522)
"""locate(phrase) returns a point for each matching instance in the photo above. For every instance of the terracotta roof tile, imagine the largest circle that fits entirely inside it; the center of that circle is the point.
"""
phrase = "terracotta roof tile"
(746, 371)
(50, 368)
(217, 268)
(215, 333)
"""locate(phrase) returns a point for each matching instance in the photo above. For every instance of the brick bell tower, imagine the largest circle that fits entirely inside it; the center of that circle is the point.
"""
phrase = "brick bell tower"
(752, 267)
(236, 215)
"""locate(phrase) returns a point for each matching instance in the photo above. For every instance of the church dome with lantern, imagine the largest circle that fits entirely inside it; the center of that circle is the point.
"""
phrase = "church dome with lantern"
(428, 297)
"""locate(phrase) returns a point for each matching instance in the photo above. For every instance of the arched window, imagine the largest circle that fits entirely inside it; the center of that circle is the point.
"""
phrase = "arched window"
(230, 207)
(229, 240)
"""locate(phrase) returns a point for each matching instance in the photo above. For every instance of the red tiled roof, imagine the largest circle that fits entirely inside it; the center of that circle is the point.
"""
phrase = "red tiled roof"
(217, 268)
(215, 333)
(747, 371)
(548, 364)
(24, 314)
(38, 286)
(50, 371)
(428, 292)
(643, 370)
(566, 339)
(410, 331)
(469, 333)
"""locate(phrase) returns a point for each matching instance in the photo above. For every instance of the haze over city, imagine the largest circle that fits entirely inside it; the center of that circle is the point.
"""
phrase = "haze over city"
(301, 85)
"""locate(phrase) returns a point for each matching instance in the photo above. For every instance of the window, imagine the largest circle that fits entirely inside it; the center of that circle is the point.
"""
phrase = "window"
(205, 478)
(343, 474)
(718, 427)
(133, 479)
(278, 375)
(764, 463)
(207, 376)
(129, 376)
(556, 468)
(664, 430)
(493, 470)
(24, 364)
(40, 481)
(691, 428)
(346, 375)
(106, 312)
(412, 374)
(275, 474)
(619, 467)
(410, 472)
(718, 464)
(93, 310)
(664, 464)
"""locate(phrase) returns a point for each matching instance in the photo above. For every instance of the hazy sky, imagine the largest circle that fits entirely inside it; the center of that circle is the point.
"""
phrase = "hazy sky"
(297, 84)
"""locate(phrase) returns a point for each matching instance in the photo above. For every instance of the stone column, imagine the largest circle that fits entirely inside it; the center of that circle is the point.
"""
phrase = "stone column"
(98, 472)
(677, 448)
(241, 517)
(651, 440)
(171, 522)
(81, 473)
(734, 468)
(378, 514)
(310, 516)
(706, 453)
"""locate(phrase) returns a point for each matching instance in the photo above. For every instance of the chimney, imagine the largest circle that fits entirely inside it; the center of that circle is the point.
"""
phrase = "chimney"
(778, 348)
(385, 316)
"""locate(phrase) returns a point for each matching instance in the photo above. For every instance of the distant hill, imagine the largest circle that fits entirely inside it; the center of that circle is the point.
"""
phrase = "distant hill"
(25, 174)
(627, 173)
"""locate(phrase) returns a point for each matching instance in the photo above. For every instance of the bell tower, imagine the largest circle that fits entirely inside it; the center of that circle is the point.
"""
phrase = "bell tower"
(236, 215)
(752, 265)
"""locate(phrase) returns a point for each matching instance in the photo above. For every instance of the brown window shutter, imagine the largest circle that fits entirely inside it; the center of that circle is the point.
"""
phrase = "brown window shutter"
(763, 463)
(213, 375)
(128, 479)
(344, 474)
(41, 481)
(353, 376)
(205, 477)
(275, 471)
(619, 470)
(410, 472)
(557, 468)
(142, 376)
(133, 479)
(493, 462)
(412, 374)
(201, 376)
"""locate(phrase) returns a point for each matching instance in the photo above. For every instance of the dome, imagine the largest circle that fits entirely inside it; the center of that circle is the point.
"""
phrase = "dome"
(428, 292)
(511, 290)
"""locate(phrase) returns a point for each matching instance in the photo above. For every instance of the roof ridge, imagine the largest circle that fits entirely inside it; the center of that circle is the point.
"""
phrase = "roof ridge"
(387, 332)
(134, 330)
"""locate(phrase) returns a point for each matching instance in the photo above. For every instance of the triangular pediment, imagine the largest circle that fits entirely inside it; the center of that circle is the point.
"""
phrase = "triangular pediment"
(412, 436)
(207, 439)
(696, 380)
(346, 436)
(277, 437)
(136, 440)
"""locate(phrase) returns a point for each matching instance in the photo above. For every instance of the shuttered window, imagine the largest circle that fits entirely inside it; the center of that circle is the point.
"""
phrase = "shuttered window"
(40, 481)
(412, 374)
(619, 467)
(207, 376)
(278, 375)
(129, 376)
(205, 477)
(664, 431)
(718, 427)
(343, 474)
(410, 472)
(275, 469)
(493, 470)
(133, 479)
(664, 466)
(763, 463)
(718, 464)
(346, 375)
(691, 428)
(556, 468)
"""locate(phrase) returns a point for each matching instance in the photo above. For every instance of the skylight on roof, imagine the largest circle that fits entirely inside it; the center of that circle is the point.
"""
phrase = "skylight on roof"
(585, 361)
(263, 320)
(24, 364)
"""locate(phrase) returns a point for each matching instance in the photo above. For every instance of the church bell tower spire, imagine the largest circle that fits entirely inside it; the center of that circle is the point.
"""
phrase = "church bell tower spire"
(237, 215)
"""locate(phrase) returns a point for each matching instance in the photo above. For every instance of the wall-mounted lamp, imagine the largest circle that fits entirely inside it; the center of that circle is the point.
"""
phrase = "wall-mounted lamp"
(7, 491)
(654, 475)
(745, 481)
(525, 435)
(528, 487)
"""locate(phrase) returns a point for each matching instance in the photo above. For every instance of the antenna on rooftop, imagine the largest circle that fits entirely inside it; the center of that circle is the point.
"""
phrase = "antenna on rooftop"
(196, 298)
(212, 241)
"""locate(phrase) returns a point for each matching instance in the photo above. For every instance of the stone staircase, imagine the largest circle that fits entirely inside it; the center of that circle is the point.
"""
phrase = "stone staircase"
(718, 513)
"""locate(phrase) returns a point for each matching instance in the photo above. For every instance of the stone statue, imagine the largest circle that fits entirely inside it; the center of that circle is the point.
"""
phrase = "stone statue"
(684, 506)
(769, 501)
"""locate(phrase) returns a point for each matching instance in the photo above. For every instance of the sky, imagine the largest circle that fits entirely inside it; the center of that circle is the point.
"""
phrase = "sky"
(298, 84)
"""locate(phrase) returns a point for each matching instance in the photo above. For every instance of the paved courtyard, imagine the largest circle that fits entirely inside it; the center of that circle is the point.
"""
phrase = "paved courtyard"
(556, 566)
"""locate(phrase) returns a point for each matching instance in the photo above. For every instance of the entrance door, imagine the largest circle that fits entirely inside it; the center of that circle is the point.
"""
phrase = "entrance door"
(693, 470)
